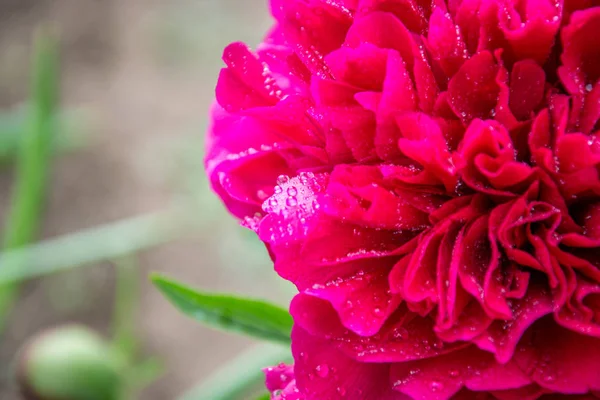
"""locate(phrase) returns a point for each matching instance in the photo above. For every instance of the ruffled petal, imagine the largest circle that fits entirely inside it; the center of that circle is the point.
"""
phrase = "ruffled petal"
(322, 372)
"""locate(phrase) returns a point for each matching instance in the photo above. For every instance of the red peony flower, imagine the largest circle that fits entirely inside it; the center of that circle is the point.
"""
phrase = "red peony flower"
(427, 173)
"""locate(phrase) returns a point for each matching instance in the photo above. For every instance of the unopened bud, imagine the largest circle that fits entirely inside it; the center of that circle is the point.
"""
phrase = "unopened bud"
(69, 363)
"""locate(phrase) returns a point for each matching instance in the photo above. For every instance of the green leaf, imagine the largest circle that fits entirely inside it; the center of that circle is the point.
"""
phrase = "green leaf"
(29, 190)
(84, 248)
(265, 396)
(252, 317)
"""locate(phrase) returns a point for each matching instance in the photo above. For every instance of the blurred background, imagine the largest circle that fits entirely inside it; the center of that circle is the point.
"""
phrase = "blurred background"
(136, 81)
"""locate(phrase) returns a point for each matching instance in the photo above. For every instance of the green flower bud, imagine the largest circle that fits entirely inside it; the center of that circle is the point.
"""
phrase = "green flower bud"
(69, 363)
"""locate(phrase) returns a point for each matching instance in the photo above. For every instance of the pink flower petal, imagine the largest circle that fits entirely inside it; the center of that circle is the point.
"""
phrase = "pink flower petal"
(473, 92)
(445, 42)
(580, 57)
(560, 360)
(325, 373)
(442, 377)
(278, 377)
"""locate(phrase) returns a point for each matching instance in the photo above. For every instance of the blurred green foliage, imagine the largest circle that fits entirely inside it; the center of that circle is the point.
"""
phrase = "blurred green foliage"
(69, 363)
(32, 164)
(67, 134)
(33, 134)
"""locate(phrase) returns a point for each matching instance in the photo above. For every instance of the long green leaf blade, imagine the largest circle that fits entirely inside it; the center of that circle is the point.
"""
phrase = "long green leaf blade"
(87, 247)
(32, 164)
(252, 317)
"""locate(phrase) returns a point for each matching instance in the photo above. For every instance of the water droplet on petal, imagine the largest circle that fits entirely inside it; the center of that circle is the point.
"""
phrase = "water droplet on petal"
(283, 179)
(435, 386)
(322, 370)
(291, 201)
(400, 333)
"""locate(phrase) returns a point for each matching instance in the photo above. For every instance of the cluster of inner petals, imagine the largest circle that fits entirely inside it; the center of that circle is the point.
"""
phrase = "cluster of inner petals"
(427, 173)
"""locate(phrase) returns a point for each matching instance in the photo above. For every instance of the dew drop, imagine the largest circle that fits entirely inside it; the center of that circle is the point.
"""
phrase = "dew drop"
(435, 386)
(588, 87)
(400, 333)
(283, 179)
(292, 191)
(291, 201)
(322, 370)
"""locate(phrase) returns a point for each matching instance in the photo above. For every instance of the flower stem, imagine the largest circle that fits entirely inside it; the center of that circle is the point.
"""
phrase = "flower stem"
(125, 308)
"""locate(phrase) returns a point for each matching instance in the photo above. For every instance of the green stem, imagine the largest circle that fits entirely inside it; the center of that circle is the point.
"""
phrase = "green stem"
(32, 164)
(144, 373)
(124, 342)
(125, 307)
